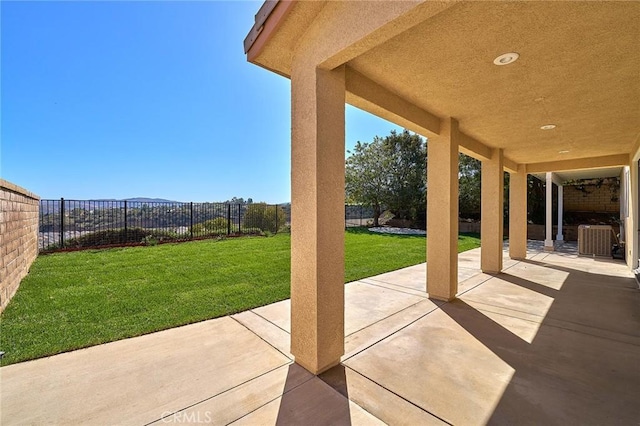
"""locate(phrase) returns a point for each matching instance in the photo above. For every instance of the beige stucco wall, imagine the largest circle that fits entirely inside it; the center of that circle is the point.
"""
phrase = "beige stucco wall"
(631, 219)
(18, 237)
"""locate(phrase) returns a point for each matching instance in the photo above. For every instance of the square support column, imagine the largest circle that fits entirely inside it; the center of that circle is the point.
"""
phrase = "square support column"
(559, 236)
(442, 212)
(518, 213)
(317, 216)
(548, 239)
(632, 223)
(492, 222)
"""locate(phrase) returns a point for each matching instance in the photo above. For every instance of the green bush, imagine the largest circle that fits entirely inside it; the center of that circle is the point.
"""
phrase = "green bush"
(121, 236)
(264, 217)
(217, 226)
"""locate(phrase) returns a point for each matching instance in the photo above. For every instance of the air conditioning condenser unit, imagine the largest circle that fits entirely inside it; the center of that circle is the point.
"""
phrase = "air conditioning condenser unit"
(595, 240)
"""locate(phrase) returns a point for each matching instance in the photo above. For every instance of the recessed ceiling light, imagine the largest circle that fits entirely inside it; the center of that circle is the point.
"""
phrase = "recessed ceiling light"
(548, 127)
(564, 151)
(506, 58)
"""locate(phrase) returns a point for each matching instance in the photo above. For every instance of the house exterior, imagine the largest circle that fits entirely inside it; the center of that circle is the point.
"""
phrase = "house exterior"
(525, 87)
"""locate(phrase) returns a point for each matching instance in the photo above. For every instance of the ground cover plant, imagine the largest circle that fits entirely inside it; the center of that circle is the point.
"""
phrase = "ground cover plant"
(79, 299)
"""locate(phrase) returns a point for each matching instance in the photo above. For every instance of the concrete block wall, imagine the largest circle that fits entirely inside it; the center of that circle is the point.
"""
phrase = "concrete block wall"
(18, 237)
(595, 199)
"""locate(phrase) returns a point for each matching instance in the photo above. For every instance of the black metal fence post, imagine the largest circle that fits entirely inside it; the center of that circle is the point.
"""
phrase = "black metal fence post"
(191, 219)
(345, 217)
(61, 222)
(106, 223)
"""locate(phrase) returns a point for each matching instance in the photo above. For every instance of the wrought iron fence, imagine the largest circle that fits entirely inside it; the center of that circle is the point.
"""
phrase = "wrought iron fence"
(66, 224)
(69, 224)
(357, 215)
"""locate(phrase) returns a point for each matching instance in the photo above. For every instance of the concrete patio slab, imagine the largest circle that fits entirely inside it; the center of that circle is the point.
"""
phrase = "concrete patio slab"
(278, 313)
(554, 339)
(136, 381)
(379, 330)
(238, 402)
(540, 344)
(432, 359)
(270, 332)
(312, 403)
(376, 399)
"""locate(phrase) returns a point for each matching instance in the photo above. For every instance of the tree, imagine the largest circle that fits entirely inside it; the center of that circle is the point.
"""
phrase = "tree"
(406, 155)
(236, 200)
(536, 199)
(470, 189)
(364, 182)
(469, 171)
(389, 171)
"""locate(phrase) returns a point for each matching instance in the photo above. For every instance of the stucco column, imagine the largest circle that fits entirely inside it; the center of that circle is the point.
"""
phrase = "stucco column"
(442, 213)
(317, 216)
(518, 213)
(559, 236)
(548, 241)
(632, 226)
(491, 225)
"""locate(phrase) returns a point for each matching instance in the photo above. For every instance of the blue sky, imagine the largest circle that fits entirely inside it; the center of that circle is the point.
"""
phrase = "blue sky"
(145, 99)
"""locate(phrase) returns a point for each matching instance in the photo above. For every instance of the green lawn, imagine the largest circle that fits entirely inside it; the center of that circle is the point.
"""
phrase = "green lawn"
(79, 299)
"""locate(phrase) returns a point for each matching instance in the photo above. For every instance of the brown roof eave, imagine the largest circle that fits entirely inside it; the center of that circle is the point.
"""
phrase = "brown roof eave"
(267, 20)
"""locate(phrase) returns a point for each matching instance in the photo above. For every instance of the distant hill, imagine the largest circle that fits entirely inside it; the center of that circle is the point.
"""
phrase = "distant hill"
(148, 200)
(53, 206)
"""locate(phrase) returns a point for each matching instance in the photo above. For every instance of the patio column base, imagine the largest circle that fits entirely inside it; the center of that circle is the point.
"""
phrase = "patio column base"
(315, 369)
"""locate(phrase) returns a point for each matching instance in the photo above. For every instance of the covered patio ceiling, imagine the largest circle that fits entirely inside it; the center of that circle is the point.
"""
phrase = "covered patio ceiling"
(578, 68)
(572, 175)
(570, 100)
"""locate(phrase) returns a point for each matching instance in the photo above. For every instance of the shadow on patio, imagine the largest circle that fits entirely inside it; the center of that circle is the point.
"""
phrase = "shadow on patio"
(554, 339)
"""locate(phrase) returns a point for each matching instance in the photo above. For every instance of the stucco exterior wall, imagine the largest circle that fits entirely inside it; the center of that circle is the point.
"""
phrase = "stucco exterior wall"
(18, 237)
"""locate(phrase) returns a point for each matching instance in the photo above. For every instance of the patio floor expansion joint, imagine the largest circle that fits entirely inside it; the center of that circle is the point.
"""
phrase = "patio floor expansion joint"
(161, 419)
(398, 395)
(268, 320)
(598, 336)
(272, 399)
(395, 332)
(484, 281)
(392, 289)
(262, 338)
(387, 317)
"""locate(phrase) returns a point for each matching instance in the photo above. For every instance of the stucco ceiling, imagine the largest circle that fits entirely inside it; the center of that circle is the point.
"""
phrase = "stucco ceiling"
(584, 174)
(579, 68)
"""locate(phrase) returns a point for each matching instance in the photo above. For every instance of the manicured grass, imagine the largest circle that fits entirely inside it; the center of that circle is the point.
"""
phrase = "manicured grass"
(79, 299)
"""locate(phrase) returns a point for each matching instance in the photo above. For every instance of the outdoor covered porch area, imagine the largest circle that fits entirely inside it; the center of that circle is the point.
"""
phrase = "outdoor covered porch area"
(553, 339)
(525, 87)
